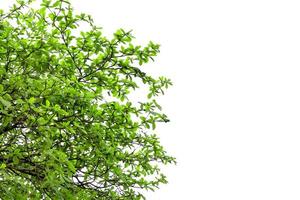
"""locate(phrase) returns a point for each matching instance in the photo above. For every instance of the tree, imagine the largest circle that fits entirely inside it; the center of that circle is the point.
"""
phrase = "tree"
(68, 127)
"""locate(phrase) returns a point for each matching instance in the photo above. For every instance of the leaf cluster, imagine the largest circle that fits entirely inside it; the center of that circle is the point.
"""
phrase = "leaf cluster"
(68, 129)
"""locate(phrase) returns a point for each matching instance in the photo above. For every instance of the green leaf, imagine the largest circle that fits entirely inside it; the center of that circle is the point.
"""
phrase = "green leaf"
(71, 167)
(56, 4)
(47, 103)
(149, 95)
(31, 100)
(16, 160)
(2, 166)
(41, 121)
(6, 104)
(42, 11)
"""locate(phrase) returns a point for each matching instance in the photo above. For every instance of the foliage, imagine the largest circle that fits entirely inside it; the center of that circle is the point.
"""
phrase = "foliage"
(68, 129)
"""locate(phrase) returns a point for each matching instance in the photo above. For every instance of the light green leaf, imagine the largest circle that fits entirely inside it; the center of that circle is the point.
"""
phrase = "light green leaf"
(2, 166)
(47, 103)
(31, 100)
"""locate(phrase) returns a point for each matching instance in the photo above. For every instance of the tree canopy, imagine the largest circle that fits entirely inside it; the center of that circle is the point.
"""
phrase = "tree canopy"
(68, 127)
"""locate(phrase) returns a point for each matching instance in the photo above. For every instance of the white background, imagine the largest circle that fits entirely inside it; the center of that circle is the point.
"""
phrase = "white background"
(235, 103)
